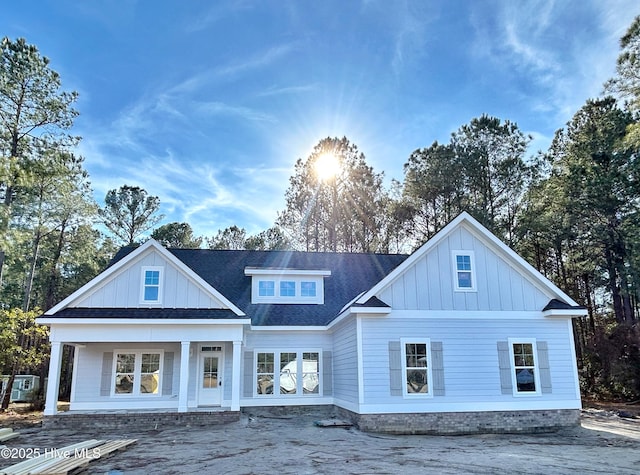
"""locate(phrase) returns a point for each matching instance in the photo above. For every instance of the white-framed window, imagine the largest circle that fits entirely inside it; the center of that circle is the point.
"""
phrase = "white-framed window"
(151, 289)
(416, 367)
(307, 289)
(287, 288)
(266, 288)
(137, 372)
(464, 272)
(525, 374)
(279, 374)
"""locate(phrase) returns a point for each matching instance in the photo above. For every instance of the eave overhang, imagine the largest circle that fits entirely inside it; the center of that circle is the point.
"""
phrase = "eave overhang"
(141, 321)
(573, 313)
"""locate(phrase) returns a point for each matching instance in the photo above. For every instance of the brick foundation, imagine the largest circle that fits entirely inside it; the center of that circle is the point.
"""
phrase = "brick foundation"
(314, 412)
(139, 420)
(438, 423)
(461, 423)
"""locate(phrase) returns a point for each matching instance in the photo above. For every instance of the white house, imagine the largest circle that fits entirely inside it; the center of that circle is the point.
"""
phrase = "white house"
(461, 336)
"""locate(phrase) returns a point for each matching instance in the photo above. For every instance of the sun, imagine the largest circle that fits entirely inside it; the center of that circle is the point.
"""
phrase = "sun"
(327, 166)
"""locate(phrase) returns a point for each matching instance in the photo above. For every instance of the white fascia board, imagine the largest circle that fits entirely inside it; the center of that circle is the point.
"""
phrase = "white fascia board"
(279, 271)
(355, 311)
(141, 321)
(568, 313)
(467, 314)
(488, 238)
(281, 328)
(131, 257)
(369, 310)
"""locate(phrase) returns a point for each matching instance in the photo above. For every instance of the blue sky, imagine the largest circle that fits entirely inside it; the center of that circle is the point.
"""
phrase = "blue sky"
(209, 104)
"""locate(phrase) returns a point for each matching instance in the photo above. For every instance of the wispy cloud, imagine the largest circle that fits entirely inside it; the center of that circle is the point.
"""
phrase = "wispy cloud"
(261, 60)
(413, 21)
(219, 11)
(281, 91)
(220, 108)
(210, 76)
(522, 40)
(204, 193)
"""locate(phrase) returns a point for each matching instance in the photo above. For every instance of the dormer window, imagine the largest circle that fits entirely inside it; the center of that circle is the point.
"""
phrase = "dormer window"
(307, 289)
(266, 288)
(287, 286)
(151, 291)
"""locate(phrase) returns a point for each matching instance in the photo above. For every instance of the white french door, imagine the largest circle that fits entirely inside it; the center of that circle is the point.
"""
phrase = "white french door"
(210, 379)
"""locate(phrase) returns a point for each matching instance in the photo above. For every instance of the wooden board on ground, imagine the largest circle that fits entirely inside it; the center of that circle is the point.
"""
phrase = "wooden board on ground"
(68, 458)
(333, 423)
(7, 433)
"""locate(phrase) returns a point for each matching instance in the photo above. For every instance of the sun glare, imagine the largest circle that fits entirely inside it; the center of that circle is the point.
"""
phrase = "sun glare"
(327, 166)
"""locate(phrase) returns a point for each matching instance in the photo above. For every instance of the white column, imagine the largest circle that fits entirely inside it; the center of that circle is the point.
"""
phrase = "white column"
(74, 378)
(183, 396)
(235, 377)
(53, 384)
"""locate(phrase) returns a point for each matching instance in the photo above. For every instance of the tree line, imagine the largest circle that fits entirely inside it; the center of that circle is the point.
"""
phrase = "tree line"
(573, 211)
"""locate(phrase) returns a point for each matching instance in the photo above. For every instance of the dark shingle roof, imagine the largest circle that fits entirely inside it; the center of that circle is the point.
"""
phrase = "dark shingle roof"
(351, 275)
(555, 304)
(372, 302)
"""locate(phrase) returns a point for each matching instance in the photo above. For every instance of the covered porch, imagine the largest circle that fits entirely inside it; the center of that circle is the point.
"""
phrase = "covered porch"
(153, 366)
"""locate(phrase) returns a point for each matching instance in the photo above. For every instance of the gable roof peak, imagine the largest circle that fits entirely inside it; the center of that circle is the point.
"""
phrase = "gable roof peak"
(148, 246)
(480, 231)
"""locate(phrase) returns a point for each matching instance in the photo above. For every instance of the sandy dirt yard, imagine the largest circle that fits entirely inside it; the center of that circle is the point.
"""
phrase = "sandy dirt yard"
(605, 444)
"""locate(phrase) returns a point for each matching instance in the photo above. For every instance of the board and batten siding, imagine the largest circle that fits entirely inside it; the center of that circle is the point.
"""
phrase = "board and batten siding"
(277, 340)
(469, 350)
(90, 368)
(123, 289)
(345, 363)
(429, 283)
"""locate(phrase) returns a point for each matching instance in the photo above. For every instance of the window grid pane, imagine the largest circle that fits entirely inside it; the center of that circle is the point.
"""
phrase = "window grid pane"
(151, 293)
(464, 271)
(288, 373)
(151, 285)
(149, 373)
(150, 362)
(125, 362)
(280, 374)
(266, 288)
(524, 365)
(464, 280)
(287, 288)
(265, 375)
(310, 373)
(125, 368)
(416, 368)
(152, 277)
(210, 372)
(308, 289)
